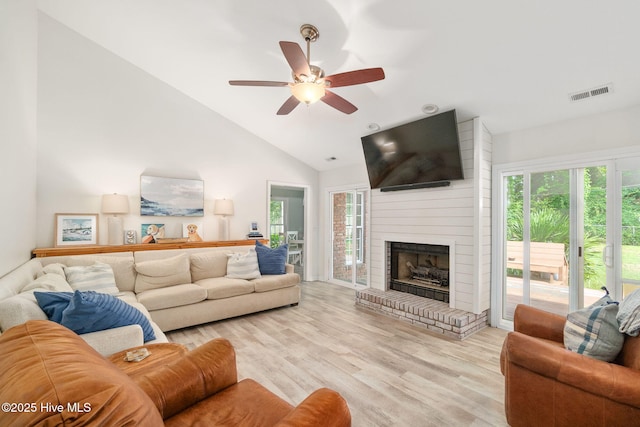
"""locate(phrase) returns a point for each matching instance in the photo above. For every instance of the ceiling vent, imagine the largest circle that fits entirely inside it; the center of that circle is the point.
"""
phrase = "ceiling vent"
(590, 93)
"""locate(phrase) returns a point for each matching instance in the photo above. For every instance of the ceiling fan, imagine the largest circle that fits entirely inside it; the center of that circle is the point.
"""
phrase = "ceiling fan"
(309, 81)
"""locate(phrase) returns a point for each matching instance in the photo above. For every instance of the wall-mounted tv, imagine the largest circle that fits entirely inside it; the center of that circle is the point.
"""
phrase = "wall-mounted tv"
(420, 154)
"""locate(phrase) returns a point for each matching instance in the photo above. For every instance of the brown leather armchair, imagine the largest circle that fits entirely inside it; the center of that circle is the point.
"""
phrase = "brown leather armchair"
(50, 376)
(547, 385)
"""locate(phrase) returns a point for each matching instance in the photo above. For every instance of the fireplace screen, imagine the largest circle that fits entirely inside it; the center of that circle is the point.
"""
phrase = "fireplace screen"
(419, 269)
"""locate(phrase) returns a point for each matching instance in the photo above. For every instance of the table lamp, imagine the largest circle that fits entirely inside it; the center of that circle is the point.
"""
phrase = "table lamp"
(115, 204)
(224, 208)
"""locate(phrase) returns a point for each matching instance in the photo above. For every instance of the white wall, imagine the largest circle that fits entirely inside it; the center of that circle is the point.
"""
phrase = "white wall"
(18, 71)
(614, 129)
(104, 122)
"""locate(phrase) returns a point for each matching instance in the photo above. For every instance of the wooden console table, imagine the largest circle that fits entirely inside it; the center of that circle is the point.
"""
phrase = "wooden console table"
(104, 249)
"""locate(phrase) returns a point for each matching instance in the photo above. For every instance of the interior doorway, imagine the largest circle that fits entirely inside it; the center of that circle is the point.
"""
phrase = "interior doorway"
(287, 222)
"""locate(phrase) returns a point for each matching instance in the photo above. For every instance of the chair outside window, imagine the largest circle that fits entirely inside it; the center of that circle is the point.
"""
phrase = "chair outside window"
(295, 248)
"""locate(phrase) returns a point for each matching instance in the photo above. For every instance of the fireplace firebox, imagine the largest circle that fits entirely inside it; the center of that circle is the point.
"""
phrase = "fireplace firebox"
(419, 269)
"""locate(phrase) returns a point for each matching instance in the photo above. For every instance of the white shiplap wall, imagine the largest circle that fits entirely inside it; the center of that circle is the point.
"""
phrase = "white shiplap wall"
(458, 214)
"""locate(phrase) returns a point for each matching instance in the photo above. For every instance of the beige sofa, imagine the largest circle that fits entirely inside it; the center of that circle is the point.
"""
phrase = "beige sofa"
(173, 288)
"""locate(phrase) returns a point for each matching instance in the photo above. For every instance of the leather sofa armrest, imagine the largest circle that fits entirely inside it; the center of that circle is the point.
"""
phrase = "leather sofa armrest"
(110, 341)
(322, 408)
(538, 323)
(199, 374)
(544, 358)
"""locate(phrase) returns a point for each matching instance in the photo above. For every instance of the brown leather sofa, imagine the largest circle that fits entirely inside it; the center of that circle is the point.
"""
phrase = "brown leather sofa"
(547, 385)
(49, 376)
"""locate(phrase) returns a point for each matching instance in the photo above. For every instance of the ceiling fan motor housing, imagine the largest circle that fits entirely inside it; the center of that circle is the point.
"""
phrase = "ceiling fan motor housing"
(309, 32)
(317, 74)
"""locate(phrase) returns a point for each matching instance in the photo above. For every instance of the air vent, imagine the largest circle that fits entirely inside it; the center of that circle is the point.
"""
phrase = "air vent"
(590, 93)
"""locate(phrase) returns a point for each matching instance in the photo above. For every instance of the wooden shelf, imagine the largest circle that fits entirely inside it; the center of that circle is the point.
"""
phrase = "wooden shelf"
(103, 249)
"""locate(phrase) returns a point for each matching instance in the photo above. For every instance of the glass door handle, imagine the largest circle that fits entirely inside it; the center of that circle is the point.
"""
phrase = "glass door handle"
(607, 257)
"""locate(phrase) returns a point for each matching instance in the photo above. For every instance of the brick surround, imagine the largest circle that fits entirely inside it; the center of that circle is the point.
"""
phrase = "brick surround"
(434, 315)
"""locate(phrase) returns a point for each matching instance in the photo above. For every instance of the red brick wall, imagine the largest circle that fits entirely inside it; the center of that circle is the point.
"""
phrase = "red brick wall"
(341, 270)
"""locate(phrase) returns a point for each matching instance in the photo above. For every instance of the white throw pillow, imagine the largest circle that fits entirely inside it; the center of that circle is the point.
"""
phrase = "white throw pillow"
(243, 266)
(97, 277)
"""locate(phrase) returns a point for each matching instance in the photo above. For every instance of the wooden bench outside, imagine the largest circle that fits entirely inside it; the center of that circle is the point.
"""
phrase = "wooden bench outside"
(543, 258)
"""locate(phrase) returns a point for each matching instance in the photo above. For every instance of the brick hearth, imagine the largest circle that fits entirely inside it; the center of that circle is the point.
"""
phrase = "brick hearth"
(431, 314)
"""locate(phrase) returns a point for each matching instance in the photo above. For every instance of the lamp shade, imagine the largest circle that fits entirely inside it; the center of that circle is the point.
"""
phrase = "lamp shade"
(308, 92)
(115, 204)
(223, 207)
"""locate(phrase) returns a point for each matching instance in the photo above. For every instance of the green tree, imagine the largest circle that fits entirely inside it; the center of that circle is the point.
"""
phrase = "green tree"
(276, 219)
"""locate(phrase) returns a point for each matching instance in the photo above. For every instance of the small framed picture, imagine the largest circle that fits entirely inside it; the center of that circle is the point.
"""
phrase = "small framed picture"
(151, 233)
(76, 229)
(192, 231)
(254, 226)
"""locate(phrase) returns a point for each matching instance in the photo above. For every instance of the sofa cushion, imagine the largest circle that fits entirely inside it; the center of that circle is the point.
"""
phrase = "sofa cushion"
(243, 265)
(593, 331)
(91, 311)
(271, 261)
(271, 282)
(205, 265)
(172, 296)
(48, 282)
(223, 287)
(24, 306)
(161, 273)
(55, 268)
(18, 309)
(128, 297)
(97, 277)
(43, 363)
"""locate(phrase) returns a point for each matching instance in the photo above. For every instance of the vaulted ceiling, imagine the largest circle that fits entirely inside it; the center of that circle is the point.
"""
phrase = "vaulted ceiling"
(512, 63)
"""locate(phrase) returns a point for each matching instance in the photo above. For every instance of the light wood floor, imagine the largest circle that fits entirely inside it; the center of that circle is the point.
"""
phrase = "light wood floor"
(390, 372)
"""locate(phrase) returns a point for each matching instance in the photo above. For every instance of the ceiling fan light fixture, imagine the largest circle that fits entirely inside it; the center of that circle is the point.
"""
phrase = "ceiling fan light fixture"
(307, 92)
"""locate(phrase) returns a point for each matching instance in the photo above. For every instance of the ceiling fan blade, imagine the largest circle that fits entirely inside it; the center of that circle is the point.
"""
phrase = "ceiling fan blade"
(338, 102)
(356, 77)
(288, 106)
(256, 83)
(295, 57)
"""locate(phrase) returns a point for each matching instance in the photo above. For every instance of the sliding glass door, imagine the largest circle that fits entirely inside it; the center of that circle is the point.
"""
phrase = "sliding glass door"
(554, 237)
(348, 237)
(627, 226)
(589, 212)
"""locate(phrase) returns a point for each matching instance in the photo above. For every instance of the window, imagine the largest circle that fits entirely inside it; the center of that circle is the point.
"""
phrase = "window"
(354, 222)
(276, 215)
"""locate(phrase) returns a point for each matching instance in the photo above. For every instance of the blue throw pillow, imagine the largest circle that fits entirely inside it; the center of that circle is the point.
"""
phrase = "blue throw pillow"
(53, 303)
(91, 311)
(271, 261)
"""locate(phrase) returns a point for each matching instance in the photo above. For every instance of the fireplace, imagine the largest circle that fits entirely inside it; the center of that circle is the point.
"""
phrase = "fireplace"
(419, 269)
(421, 278)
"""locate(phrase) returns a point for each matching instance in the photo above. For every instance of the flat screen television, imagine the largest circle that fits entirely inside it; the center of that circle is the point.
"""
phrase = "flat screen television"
(424, 153)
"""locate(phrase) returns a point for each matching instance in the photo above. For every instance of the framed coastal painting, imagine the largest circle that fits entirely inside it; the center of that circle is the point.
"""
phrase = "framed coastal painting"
(161, 196)
(76, 229)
